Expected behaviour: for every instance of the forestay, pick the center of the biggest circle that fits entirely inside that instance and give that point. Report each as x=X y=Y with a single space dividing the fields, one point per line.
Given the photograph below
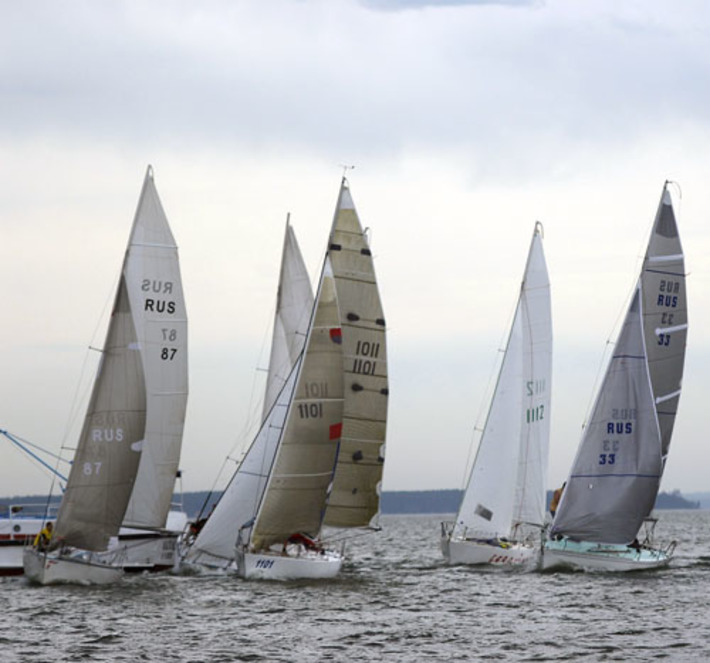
x=616 y=475
x=156 y=295
x=354 y=500
x=507 y=484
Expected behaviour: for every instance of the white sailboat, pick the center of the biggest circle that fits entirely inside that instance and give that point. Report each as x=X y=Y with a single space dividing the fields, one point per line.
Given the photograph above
x=215 y=544
x=136 y=411
x=617 y=472
x=503 y=507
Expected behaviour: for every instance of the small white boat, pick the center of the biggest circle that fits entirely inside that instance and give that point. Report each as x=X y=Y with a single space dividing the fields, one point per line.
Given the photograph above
x=617 y=472
x=502 y=510
x=125 y=464
x=76 y=567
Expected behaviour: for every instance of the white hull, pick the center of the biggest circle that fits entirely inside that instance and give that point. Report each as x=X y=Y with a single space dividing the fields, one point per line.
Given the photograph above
x=149 y=552
x=463 y=551
x=277 y=566
x=54 y=569
x=602 y=557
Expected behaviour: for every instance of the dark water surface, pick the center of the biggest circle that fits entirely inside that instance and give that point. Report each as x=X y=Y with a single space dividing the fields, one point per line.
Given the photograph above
x=395 y=600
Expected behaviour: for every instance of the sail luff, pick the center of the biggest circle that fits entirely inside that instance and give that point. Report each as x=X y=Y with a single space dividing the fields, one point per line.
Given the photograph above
x=355 y=498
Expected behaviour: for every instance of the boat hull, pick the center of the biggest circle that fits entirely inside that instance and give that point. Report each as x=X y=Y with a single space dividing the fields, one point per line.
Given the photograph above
x=149 y=552
x=55 y=569
x=277 y=566
x=475 y=552
x=585 y=555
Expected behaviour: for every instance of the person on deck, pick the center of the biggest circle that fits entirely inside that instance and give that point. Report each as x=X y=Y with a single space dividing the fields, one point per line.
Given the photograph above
x=43 y=538
x=555 y=501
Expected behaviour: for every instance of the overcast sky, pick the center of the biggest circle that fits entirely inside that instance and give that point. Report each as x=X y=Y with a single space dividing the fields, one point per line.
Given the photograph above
x=466 y=123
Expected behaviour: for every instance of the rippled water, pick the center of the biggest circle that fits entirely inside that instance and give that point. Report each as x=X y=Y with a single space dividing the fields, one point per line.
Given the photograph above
x=395 y=600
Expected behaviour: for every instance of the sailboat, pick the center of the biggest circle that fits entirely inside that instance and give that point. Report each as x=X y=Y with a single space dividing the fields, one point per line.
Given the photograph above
x=616 y=475
x=215 y=544
x=273 y=507
x=136 y=411
x=503 y=506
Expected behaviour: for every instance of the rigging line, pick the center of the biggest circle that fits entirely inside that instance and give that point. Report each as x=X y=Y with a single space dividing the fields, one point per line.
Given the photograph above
x=18 y=443
x=488 y=393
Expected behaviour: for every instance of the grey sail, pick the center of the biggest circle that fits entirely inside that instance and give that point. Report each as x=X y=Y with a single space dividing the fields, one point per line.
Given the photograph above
x=106 y=461
x=665 y=312
x=355 y=498
x=616 y=475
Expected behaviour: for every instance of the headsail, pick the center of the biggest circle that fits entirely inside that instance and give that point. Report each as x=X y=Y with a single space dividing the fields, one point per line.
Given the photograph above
x=155 y=291
x=354 y=500
x=508 y=480
x=617 y=472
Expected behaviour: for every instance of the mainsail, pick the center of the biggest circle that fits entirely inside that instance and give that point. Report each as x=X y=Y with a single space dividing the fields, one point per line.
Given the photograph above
x=507 y=483
x=617 y=471
x=130 y=409
x=294 y=305
x=158 y=304
x=302 y=472
x=354 y=500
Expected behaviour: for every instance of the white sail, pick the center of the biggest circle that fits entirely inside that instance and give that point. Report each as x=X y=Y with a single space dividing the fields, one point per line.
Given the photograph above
x=301 y=476
x=355 y=498
x=119 y=421
x=155 y=291
x=236 y=508
x=507 y=483
x=617 y=471
x=294 y=305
